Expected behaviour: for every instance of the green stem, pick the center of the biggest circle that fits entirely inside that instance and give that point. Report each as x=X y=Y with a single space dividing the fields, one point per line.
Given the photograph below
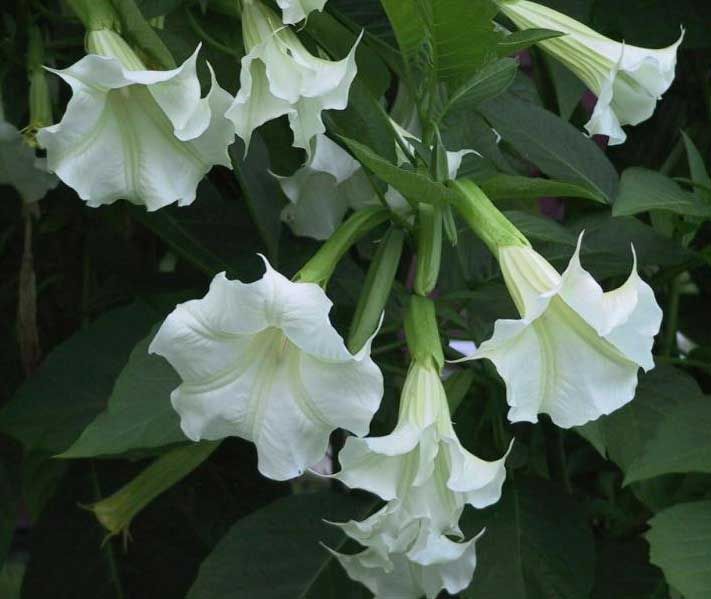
x=321 y=266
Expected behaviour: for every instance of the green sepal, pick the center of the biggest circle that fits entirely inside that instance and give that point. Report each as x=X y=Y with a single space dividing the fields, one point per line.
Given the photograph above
x=429 y=248
x=422 y=332
x=376 y=290
x=485 y=219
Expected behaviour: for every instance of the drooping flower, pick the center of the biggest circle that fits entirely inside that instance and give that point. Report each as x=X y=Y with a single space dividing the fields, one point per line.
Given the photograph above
x=627 y=80
x=136 y=134
x=421 y=463
x=262 y=361
x=280 y=76
x=293 y=11
x=429 y=563
x=20 y=167
x=576 y=350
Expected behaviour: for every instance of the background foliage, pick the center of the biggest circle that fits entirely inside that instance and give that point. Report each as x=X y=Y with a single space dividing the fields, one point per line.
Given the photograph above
x=618 y=509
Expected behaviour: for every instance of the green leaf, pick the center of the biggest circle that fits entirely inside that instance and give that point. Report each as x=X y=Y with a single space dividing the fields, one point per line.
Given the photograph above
x=660 y=393
x=623 y=570
x=556 y=147
x=414 y=185
x=642 y=190
x=275 y=553
x=680 y=544
x=139 y=414
x=520 y=40
x=540 y=228
x=409 y=27
x=537 y=545
x=261 y=191
x=74 y=382
x=680 y=443
x=487 y=83
x=697 y=169
x=515 y=187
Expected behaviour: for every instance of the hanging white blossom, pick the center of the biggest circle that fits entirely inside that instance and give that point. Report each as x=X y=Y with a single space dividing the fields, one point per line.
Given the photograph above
x=135 y=134
x=293 y=11
x=627 y=80
x=422 y=463
x=576 y=351
x=262 y=361
x=279 y=76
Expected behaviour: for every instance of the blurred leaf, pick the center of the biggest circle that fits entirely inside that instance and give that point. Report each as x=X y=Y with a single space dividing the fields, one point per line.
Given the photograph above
x=515 y=187
x=556 y=147
x=541 y=228
x=642 y=190
x=214 y=234
x=275 y=553
x=74 y=382
x=537 y=545
x=681 y=443
x=680 y=544
x=139 y=414
x=697 y=169
x=623 y=570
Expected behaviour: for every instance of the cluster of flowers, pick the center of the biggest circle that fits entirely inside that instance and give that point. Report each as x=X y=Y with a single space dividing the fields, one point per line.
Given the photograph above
x=262 y=361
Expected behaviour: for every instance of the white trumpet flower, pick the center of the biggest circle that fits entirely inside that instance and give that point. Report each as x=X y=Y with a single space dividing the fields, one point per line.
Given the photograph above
x=627 y=80
x=576 y=351
x=280 y=77
x=293 y=11
x=421 y=463
x=20 y=167
x=135 y=134
x=261 y=361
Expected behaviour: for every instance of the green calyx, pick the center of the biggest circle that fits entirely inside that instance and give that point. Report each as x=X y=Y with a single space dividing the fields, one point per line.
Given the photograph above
x=376 y=290
x=116 y=512
x=106 y=42
x=422 y=331
x=485 y=219
x=96 y=14
x=429 y=248
x=321 y=266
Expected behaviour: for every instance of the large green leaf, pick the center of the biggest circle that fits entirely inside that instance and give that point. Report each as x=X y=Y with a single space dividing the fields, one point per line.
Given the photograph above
x=409 y=27
x=624 y=434
x=642 y=190
x=697 y=169
x=275 y=553
x=680 y=544
x=623 y=570
x=139 y=414
x=515 y=187
x=74 y=382
x=540 y=228
x=537 y=545
x=556 y=147
x=681 y=443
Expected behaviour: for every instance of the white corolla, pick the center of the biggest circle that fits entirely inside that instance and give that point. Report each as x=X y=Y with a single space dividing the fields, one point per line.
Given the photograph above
x=293 y=11
x=135 y=134
x=576 y=351
x=628 y=80
x=279 y=76
x=262 y=361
